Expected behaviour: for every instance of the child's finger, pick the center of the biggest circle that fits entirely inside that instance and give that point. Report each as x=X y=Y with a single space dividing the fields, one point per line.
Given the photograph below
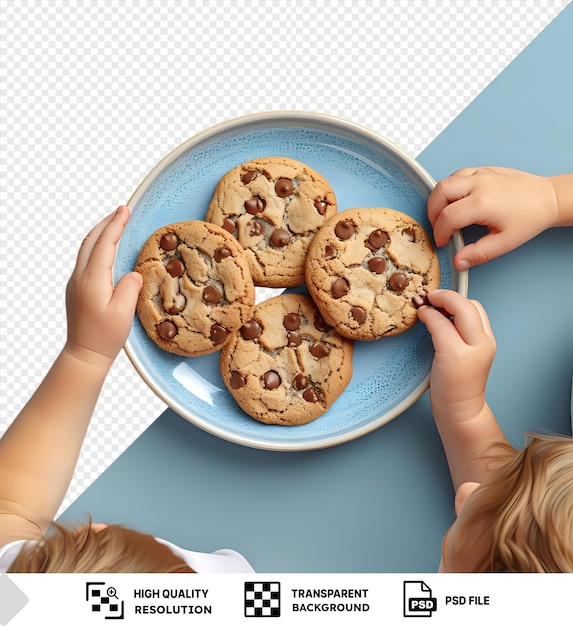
x=89 y=241
x=104 y=248
x=448 y=190
x=442 y=330
x=457 y=215
x=467 y=319
x=466 y=171
x=484 y=318
x=126 y=292
x=486 y=248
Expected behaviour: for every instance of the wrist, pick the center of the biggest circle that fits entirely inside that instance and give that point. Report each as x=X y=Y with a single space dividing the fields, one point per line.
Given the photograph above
x=458 y=411
x=562 y=186
x=99 y=362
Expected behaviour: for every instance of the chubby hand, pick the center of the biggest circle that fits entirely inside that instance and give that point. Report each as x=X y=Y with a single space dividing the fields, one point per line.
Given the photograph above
x=99 y=315
x=515 y=206
x=464 y=350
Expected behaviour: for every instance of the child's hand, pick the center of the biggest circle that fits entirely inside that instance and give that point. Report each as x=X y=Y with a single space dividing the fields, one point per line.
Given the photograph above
x=99 y=316
x=464 y=352
x=515 y=206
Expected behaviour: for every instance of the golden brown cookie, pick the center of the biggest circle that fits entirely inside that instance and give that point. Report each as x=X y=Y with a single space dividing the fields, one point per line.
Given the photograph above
x=285 y=365
x=273 y=206
x=197 y=287
x=368 y=268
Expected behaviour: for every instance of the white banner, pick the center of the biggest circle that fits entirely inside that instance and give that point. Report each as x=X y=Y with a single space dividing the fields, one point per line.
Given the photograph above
x=32 y=599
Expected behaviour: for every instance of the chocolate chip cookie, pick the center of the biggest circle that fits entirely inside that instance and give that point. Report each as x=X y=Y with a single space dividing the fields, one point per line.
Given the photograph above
x=285 y=365
x=368 y=269
x=197 y=287
x=273 y=206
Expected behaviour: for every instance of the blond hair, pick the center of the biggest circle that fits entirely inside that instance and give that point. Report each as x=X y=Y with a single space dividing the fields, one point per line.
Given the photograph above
x=521 y=518
x=114 y=549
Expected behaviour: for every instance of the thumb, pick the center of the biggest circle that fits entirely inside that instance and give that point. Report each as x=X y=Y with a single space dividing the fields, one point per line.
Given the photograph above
x=485 y=249
x=127 y=291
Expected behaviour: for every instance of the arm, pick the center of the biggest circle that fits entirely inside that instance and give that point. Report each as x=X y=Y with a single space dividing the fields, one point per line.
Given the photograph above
x=39 y=451
x=464 y=352
x=515 y=206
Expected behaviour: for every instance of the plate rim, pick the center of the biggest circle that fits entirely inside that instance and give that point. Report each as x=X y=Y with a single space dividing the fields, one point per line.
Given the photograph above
x=311 y=119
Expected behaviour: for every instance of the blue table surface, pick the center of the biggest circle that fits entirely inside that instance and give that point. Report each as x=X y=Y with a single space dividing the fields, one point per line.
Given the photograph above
x=383 y=502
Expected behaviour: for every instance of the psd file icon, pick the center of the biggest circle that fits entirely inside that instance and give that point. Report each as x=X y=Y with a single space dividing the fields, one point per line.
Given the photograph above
x=418 y=599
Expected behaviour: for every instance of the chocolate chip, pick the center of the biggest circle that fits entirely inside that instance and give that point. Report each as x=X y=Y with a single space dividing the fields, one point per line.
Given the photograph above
x=310 y=395
x=251 y=329
x=321 y=206
x=229 y=225
x=319 y=350
x=293 y=339
x=283 y=187
x=330 y=252
x=344 y=229
x=300 y=381
x=221 y=253
x=247 y=177
x=237 y=380
x=358 y=313
x=166 y=330
x=376 y=239
x=254 y=205
x=340 y=287
x=420 y=299
x=211 y=295
x=176 y=309
x=218 y=334
x=256 y=229
x=398 y=281
x=320 y=324
x=409 y=234
x=280 y=237
x=271 y=379
x=291 y=321
x=168 y=242
x=175 y=267
x=377 y=265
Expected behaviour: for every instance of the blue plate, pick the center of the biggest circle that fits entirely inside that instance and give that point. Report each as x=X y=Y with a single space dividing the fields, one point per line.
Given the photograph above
x=364 y=169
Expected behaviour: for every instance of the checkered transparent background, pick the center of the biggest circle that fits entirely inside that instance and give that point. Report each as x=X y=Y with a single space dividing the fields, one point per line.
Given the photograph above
x=94 y=94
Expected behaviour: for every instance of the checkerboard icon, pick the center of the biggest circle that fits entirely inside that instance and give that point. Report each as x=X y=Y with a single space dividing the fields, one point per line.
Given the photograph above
x=104 y=601
x=262 y=599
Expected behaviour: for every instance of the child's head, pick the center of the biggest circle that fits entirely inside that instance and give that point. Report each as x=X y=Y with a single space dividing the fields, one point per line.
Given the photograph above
x=521 y=518
x=97 y=548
